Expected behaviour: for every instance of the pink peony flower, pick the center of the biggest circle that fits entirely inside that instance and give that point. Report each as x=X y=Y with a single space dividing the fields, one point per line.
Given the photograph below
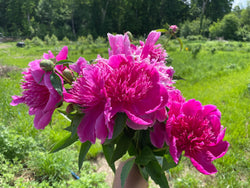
x=147 y=52
x=39 y=94
x=159 y=135
x=196 y=129
x=117 y=85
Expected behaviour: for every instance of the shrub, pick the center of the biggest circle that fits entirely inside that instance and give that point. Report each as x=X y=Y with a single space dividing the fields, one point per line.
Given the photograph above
x=54 y=40
x=36 y=41
x=226 y=28
x=193 y=28
x=66 y=40
x=47 y=39
x=195 y=37
x=196 y=50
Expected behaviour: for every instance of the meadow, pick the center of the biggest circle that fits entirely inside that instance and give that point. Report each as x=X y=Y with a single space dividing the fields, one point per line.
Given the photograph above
x=213 y=72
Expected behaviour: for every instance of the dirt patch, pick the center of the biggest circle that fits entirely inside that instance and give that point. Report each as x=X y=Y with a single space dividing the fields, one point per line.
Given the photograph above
x=102 y=166
x=5 y=70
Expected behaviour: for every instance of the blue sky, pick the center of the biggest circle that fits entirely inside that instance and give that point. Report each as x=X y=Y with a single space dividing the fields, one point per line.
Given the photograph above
x=241 y=3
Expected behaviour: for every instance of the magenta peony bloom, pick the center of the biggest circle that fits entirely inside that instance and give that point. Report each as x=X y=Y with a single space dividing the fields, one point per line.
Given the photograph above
x=158 y=135
x=148 y=52
x=196 y=129
x=39 y=94
x=112 y=86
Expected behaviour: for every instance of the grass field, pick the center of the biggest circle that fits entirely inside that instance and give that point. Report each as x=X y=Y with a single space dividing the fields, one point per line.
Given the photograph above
x=219 y=74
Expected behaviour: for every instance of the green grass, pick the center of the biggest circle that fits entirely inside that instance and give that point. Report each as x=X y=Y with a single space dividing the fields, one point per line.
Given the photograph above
x=220 y=77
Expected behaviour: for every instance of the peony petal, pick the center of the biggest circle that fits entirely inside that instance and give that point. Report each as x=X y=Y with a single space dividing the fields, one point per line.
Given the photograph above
x=86 y=129
x=79 y=65
x=119 y=44
x=150 y=42
x=211 y=110
x=101 y=128
x=202 y=162
x=48 y=84
x=116 y=60
x=63 y=54
x=218 y=150
x=37 y=72
x=49 y=55
x=16 y=100
x=157 y=136
x=42 y=119
x=161 y=115
x=191 y=107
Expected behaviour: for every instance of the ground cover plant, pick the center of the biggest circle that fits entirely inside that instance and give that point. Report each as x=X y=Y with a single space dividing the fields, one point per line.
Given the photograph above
x=220 y=78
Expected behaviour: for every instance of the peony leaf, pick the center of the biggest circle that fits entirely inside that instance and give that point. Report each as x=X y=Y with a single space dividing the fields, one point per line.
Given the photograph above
x=181 y=43
x=145 y=156
x=125 y=171
x=161 y=30
x=157 y=174
x=122 y=146
x=168 y=162
x=63 y=62
x=65 y=142
x=120 y=123
x=83 y=151
x=108 y=150
x=56 y=83
x=75 y=123
x=143 y=172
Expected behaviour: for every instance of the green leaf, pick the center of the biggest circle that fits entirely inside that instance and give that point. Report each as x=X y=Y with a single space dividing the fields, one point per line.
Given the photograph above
x=56 y=83
x=145 y=156
x=168 y=162
x=181 y=43
x=75 y=123
x=157 y=174
x=132 y=149
x=161 y=30
x=65 y=142
x=83 y=151
x=108 y=150
x=143 y=172
x=120 y=123
x=125 y=171
x=63 y=62
x=122 y=146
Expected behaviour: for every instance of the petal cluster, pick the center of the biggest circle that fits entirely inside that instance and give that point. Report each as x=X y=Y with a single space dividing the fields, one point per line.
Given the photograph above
x=38 y=93
x=197 y=130
x=116 y=85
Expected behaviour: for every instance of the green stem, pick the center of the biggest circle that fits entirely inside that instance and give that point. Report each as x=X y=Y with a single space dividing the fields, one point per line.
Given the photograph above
x=66 y=79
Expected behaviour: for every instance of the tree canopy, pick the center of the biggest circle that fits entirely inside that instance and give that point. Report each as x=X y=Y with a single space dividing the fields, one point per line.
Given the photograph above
x=73 y=18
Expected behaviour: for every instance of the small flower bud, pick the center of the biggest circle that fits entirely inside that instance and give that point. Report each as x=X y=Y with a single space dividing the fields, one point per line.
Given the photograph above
x=68 y=74
x=47 y=65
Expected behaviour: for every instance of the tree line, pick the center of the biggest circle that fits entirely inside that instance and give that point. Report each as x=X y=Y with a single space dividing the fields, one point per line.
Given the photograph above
x=74 y=18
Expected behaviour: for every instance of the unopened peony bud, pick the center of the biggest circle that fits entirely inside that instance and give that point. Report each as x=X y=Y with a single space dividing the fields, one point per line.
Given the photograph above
x=47 y=65
x=68 y=74
x=173 y=28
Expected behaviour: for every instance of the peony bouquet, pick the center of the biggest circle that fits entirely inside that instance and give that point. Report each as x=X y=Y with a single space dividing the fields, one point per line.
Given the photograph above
x=129 y=103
